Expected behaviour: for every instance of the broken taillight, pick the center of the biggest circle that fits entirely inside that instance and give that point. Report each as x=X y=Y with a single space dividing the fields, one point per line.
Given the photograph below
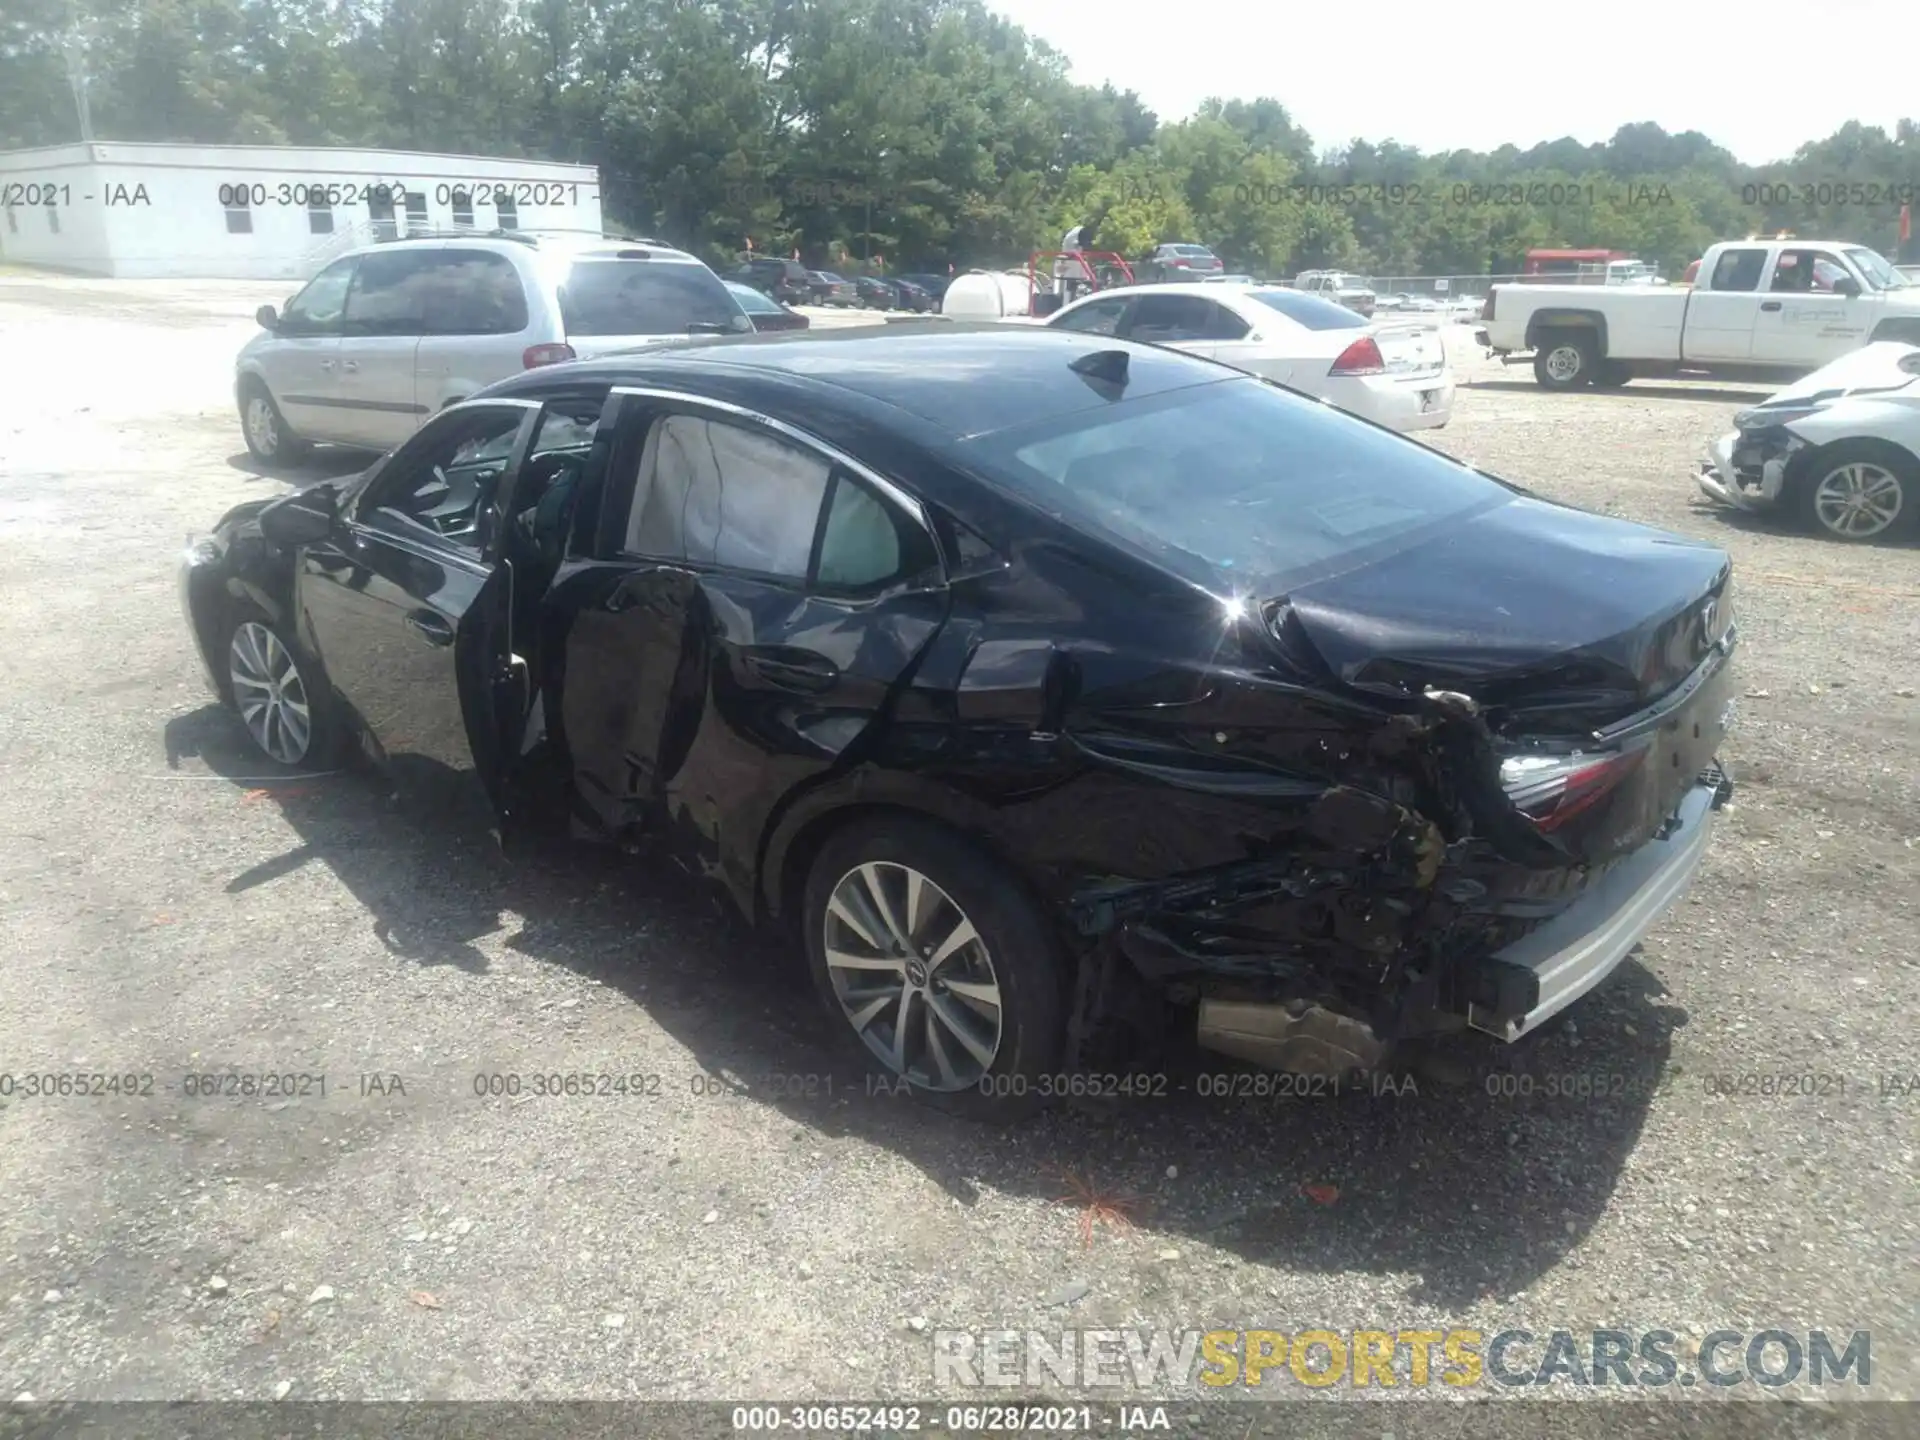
x=534 y=356
x=1551 y=789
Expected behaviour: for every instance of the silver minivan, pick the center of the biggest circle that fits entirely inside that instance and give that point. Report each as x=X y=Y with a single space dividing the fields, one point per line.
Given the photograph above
x=391 y=333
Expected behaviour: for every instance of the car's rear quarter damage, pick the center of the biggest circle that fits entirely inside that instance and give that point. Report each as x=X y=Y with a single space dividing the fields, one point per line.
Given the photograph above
x=1323 y=869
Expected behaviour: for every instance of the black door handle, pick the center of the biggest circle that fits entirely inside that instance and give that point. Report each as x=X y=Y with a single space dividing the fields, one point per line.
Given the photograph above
x=807 y=674
x=432 y=628
x=1770 y=305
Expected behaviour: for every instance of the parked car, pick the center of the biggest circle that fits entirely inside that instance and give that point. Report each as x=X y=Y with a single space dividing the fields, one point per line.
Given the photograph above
x=783 y=280
x=1180 y=261
x=1352 y=291
x=1759 y=309
x=1395 y=374
x=764 y=311
x=934 y=285
x=388 y=334
x=910 y=296
x=826 y=288
x=876 y=293
x=1422 y=751
x=1840 y=450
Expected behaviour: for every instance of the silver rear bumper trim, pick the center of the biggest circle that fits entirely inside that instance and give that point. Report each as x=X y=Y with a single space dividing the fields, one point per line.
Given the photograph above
x=1581 y=946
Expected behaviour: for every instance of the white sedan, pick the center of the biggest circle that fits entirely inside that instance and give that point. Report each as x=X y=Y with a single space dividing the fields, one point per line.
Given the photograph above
x=1840 y=449
x=1392 y=373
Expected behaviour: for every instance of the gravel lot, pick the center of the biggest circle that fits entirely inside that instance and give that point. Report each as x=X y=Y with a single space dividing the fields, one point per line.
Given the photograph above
x=174 y=907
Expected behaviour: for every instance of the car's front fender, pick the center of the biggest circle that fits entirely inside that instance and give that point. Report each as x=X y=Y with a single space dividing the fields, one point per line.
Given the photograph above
x=1862 y=419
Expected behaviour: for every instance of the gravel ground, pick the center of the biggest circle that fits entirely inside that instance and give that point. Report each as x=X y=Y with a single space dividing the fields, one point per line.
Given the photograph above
x=175 y=908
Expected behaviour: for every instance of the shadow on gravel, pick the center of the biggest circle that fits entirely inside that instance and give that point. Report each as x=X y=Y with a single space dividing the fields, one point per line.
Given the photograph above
x=324 y=463
x=1470 y=1175
x=1777 y=522
x=1640 y=390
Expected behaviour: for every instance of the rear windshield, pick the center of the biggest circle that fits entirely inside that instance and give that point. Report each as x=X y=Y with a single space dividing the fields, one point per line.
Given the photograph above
x=1310 y=310
x=646 y=297
x=1198 y=251
x=1240 y=486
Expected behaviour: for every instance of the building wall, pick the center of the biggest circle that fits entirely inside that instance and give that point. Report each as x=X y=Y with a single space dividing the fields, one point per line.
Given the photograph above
x=243 y=212
x=69 y=234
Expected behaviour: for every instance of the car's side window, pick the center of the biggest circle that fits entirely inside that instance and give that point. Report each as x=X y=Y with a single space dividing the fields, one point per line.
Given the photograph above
x=440 y=483
x=1096 y=317
x=716 y=493
x=548 y=486
x=1223 y=324
x=1167 y=319
x=472 y=292
x=866 y=544
x=567 y=425
x=1738 y=270
x=389 y=293
x=1802 y=272
x=317 y=309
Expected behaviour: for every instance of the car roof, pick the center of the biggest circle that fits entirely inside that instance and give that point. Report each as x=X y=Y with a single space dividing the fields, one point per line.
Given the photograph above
x=1206 y=289
x=940 y=382
x=532 y=243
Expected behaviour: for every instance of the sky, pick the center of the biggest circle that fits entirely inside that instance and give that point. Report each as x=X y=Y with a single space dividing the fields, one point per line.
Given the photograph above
x=1477 y=74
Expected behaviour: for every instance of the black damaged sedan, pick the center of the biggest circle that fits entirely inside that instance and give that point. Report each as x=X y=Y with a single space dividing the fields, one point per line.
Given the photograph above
x=1054 y=690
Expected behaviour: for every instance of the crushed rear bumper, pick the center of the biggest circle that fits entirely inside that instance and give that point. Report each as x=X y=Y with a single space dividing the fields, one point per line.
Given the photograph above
x=1546 y=970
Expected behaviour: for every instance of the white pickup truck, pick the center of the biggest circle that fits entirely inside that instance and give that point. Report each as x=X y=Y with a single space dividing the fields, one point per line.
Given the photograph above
x=1760 y=309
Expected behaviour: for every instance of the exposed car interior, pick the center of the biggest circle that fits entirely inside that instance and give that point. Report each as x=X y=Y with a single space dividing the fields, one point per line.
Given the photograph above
x=452 y=494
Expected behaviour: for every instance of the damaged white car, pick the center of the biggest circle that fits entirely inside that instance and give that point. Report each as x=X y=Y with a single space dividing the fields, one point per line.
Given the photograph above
x=1840 y=449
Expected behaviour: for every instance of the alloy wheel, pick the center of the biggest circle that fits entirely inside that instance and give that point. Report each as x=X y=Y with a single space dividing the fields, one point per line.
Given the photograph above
x=263 y=431
x=270 y=693
x=1859 y=500
x=913 y=976
x=1563 y=362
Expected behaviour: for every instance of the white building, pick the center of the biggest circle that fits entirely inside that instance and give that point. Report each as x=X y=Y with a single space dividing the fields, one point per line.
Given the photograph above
x=265 y=212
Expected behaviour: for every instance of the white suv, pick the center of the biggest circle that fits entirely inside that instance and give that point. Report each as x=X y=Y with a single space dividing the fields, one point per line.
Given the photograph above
x=389 y=334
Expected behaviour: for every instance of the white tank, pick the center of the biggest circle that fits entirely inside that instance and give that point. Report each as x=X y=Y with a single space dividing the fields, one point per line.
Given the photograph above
x=986 y=295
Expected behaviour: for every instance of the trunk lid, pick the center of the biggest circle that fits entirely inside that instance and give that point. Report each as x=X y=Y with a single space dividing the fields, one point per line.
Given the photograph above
x=1573 y=634
x=1411 y=351
x=1531 y=608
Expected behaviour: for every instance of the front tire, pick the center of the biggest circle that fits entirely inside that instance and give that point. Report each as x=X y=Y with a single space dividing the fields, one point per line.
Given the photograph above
x=936 y=967
x=1858 y=490
x=280 y=693
x=1565 y=361
x=268 y=438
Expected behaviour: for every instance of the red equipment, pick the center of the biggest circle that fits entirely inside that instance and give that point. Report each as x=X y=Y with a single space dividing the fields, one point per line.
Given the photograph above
x=1098 y=270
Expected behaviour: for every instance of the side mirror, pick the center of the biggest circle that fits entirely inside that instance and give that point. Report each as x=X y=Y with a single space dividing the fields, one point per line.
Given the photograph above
x=1848 y=286
x=306 y=518
x=267 y=317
